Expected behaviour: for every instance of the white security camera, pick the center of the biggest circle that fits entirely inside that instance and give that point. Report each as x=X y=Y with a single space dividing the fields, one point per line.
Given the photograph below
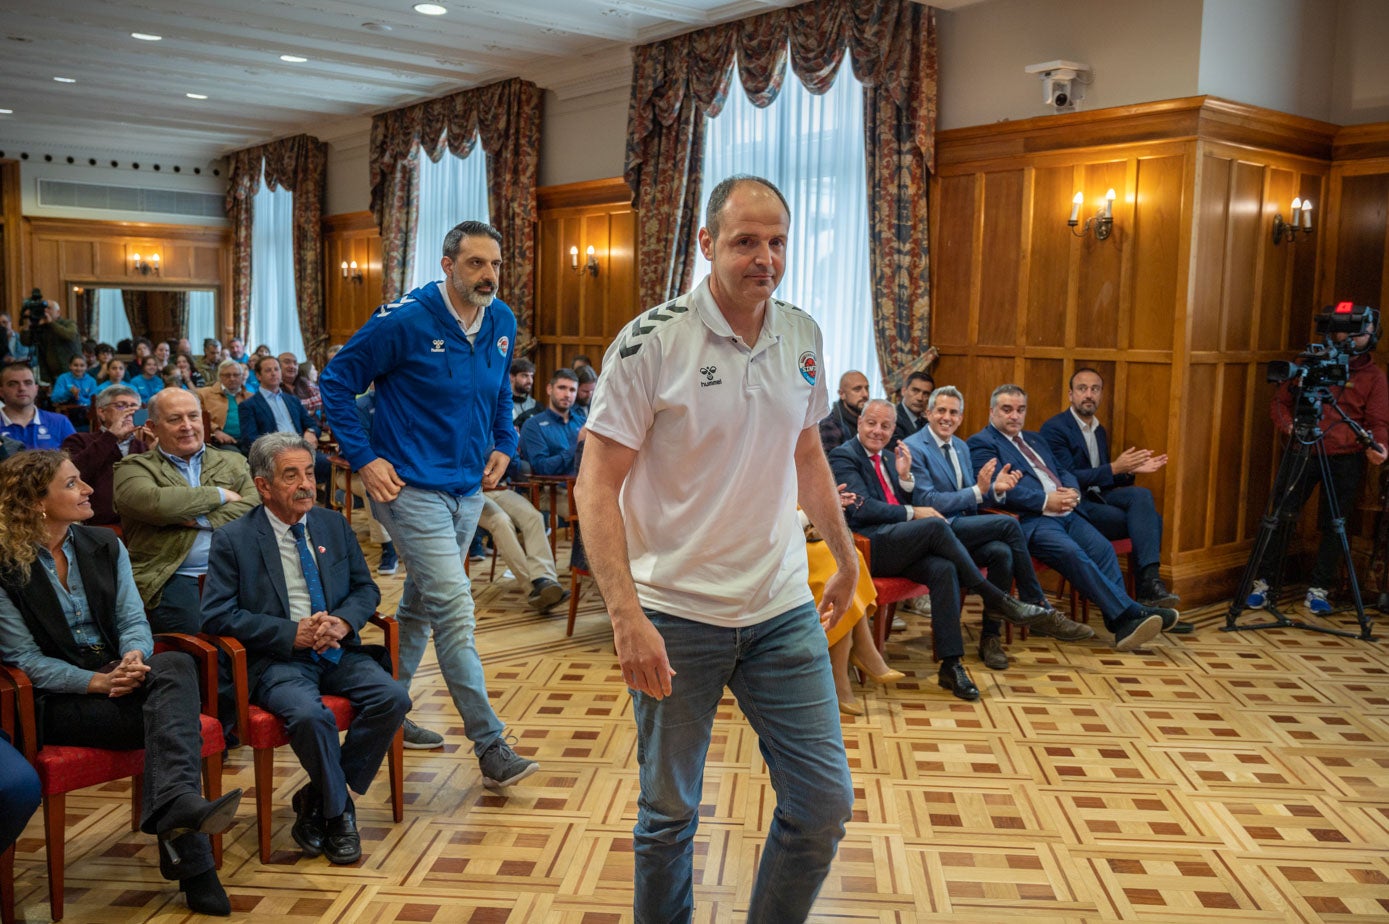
x=1063 y=83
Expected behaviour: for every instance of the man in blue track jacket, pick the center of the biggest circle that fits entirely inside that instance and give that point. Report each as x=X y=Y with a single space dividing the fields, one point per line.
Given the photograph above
x=440 y=359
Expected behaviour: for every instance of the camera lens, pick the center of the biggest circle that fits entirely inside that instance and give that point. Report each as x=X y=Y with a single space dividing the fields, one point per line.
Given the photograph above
x=1061 y=99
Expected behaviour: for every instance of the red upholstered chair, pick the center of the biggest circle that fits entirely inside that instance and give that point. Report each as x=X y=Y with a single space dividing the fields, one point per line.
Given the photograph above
x=891 y=591
x=65 y=768
x=1081 y=605
x=264 y=731
x=9 y=721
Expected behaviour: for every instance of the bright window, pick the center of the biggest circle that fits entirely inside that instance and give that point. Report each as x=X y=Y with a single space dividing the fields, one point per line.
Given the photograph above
x=453 y=190
x=274 y=317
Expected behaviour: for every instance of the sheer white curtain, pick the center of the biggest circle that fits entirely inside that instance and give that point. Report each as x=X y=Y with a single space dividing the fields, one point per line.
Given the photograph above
x=111 y=324
x=274 y=313
x=202 y=319
x=811 y=147
x=453 y=190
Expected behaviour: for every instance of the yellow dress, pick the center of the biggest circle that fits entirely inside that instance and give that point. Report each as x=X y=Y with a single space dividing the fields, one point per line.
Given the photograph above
x=864 y=602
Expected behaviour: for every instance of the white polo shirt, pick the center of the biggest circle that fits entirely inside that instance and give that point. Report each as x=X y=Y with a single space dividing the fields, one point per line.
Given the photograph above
x=710 y=502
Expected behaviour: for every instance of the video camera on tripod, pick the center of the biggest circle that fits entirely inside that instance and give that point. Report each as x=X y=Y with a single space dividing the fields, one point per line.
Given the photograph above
x=35 y=309
x=1328 y=363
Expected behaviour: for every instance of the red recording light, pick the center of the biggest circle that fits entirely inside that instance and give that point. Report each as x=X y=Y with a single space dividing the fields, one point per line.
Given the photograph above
x=1345 y=307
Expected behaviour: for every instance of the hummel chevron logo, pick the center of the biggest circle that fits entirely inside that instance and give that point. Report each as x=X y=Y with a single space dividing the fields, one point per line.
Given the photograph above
x=634 y=333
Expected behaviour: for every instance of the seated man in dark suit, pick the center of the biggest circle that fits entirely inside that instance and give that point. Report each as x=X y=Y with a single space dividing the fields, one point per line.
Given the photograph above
x=96 y=453
x=1109 y=499
x=945 y=481
x=911 y=410
x=1045 y=499
x=916 y=542
x=273 y=410
x=298 y=615
x=841 y=423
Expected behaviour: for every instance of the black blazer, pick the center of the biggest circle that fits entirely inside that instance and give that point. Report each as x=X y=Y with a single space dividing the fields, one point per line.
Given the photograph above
x=853 y=467
x=257 y=418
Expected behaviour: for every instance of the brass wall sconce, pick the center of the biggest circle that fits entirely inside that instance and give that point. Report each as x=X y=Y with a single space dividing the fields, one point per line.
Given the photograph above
x=350 y=271
x=1301 y=220
x=590 y=266
x=1103 y=222
x=143 y=268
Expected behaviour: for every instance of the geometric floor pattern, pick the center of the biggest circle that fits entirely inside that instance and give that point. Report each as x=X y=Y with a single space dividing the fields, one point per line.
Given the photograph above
x=1213 y=777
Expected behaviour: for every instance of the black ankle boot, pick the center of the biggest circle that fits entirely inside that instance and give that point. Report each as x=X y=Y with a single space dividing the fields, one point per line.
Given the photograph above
x=205 y=894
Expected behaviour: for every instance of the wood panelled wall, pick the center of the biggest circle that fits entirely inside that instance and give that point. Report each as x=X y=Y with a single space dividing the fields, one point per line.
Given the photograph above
x=1180 y=309
x=11 y=239
x=576 y=312
x=61 y=253
x=348 y=303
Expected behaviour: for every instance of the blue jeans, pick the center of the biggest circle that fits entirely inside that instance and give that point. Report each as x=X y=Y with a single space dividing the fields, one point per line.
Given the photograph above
x=432 y=531
x=779 y=670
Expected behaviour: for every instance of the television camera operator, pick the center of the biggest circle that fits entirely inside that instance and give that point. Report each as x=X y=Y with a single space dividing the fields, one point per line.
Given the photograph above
x=53 y=338
x=1348 y=382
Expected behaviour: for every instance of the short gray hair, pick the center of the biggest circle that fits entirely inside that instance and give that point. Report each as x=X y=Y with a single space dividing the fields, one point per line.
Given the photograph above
x=878 y=402
x=110 y=393
x=1005 y=390
x=946 y=391
x=266 y=449
x=226 y=364
x=454 y=239
x=159 y=397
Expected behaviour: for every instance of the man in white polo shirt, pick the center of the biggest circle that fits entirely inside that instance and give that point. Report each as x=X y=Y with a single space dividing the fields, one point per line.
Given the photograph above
x=703 y=438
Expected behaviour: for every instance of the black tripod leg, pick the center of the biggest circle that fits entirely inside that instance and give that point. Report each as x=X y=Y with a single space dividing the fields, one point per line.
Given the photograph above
x=1338 y=526
x=1284 y=504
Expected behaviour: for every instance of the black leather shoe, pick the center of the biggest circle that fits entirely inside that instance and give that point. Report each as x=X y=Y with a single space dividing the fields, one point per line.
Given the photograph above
x=1137 y=631
x=1155 y=593
x=992 y=654
x=341 y=843
x=205 y=895
x=1170 y=617
x=191 y=813
x=308 y=822
x=955 y=678
x=1012 y=610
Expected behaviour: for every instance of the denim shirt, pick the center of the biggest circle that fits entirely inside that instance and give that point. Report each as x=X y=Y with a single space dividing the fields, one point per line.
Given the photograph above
x=18 y=647
x=195 y=563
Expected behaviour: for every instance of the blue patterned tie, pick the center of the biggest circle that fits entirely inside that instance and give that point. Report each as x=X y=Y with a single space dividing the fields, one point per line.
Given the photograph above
x=317 y=602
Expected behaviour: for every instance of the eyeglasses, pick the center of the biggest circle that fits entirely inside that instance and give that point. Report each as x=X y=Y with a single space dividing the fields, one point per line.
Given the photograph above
x=124 y=406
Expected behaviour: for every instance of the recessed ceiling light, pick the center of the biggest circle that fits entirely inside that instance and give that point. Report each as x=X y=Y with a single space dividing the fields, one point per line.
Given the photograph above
x=146 y=37
x=196 y=95
x=430 y=9
x=65 y=79
x=293 y=59
x=6 y=112
x=377 y=27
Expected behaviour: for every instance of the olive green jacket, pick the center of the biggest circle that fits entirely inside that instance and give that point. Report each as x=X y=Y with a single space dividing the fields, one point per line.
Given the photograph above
x=156 y=504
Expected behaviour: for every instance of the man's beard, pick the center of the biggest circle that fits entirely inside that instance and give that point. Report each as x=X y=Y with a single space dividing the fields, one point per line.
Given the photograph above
x=472 y=296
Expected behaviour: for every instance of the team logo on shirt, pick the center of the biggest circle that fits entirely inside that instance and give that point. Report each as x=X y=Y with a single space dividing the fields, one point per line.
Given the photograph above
x=502 y=344
x=709 y=372
x=810 y=369
x=438 y=347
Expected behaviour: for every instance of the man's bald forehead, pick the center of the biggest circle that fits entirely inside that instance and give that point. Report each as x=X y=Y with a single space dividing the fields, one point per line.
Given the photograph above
x=847 y=378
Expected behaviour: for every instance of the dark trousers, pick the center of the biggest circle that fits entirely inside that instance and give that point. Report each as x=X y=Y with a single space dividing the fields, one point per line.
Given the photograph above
x=293 y=691
x=160 y=716
x=1128 y=513
x=928 y=552
x=20 y=793
x=997 y=546
x=1346 y=471
x=1075 y=549
x=180 y=607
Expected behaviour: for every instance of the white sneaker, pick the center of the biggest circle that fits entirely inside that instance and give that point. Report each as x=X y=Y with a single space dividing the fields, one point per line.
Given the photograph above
x=1258 y=595
x=1317 y=602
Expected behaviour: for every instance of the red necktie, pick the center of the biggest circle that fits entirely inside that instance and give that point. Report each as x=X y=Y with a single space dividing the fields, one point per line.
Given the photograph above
x=890 y=494
x=1036 y=461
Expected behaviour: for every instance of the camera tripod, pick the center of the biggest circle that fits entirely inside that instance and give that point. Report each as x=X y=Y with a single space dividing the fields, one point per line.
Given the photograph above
x=1284 y=505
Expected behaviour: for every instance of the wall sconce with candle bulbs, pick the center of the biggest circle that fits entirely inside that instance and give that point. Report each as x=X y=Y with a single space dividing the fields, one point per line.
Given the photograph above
x=350 y=271
x=1301 y=220
x=143 y=268
x=1103 y=222
x=590 y=266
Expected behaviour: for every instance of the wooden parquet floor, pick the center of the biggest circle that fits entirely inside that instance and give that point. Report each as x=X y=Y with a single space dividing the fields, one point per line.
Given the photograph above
x=1217 y=777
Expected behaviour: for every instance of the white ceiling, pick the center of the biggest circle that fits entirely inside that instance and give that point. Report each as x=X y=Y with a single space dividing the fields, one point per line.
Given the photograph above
x=363 y=57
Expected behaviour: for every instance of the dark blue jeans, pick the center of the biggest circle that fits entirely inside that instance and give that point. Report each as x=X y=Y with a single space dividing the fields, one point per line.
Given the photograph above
x=779 y=671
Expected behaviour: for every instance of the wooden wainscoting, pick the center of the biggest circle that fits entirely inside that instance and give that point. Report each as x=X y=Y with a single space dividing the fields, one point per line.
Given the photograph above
x=346 y=238
x=576 y=312
x=1180 y=309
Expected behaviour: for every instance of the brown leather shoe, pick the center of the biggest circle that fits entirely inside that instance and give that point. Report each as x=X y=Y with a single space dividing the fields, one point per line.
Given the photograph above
x=1059 y=627
x=992 y=654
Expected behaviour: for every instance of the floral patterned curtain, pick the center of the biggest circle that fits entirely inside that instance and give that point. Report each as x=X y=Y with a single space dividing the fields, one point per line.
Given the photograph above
x=679 y=82
x=505 y=118
x=298 y=164
x=137 y=311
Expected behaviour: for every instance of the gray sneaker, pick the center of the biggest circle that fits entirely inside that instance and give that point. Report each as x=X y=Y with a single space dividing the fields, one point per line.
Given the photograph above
x=501 y=766
x=421 y=739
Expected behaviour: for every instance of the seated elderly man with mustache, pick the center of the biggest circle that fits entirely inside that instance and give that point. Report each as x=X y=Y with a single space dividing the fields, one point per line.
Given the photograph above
x=289 y=582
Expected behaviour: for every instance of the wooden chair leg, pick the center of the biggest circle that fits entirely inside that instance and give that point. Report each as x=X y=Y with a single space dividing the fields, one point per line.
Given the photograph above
x=54 y=832
x=7 y=886
x=264 y=761
x=212 y=791
x=882 y=625
x=137 y=800
x=396 y=760
x=573 y=601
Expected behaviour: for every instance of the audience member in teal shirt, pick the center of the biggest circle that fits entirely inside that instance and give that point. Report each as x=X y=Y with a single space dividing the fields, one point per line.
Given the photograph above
x=149 y=381
x=75 y=386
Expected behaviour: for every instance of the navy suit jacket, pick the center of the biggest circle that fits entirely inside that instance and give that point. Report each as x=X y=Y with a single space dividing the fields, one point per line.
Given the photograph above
x=1067 y=443
x=935 y=478
x=1028 y=497
x=244 y=595
x=853 y=467
x=257 y=418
